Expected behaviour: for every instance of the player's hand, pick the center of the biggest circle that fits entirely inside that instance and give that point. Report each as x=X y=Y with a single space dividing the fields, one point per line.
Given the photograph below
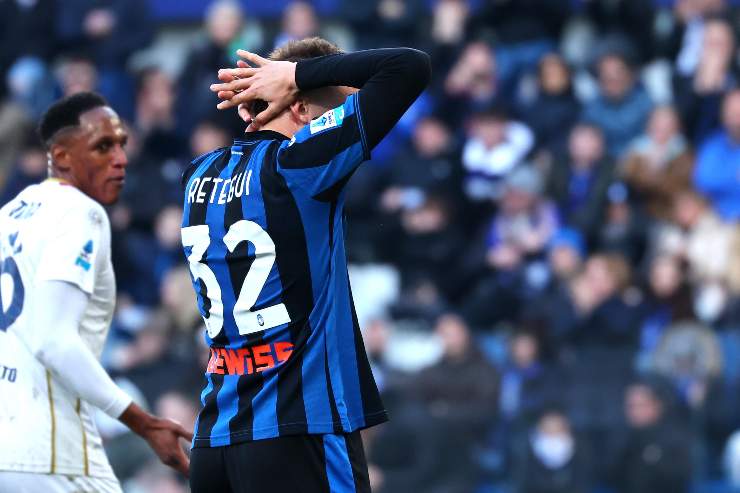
x=266 y=80
x=163 y=436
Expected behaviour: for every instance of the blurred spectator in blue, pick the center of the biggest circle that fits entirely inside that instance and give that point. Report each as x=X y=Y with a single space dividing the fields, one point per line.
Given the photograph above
x=26 y=49
x=552 y=459
x=15 y=124
x=155 y=181
x=690 y=357
x=687 y=30
x=25 y=31
x=109 y=32
x=428 y=242
x=554 y=109
x=624 y=228
x=515 y=241
x=524 y=224
x=227 y=28
x=155 y=116
x=622 y=106
x=668 y=300
x=299 y=21
x=579 y=179
x=430 y=164
x=460 y=396
x=472 y=84
x=659 y=163
x=30 y=168
x=602 y=313
x=525 y=380
x=631 y=21
x=77 y=74
x=655 y=453
x=699 y=95
x=163 y=252
x=383 y=23
x=495 y=146
x=445 y=36
x=523 y=31
x=717 y=173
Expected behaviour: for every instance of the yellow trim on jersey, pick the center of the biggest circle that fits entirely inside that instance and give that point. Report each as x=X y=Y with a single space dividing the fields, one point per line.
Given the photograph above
x=53 y=425
x=58 y=180
x=84 y=440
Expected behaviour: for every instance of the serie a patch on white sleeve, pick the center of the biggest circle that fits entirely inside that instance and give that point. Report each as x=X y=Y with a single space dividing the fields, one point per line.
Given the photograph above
x=330 y=119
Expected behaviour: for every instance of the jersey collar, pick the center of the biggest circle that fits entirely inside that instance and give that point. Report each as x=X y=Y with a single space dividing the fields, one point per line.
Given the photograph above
x=260 y=135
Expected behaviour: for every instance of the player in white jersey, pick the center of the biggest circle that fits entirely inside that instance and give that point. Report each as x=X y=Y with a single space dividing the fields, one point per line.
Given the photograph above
x=57 y=294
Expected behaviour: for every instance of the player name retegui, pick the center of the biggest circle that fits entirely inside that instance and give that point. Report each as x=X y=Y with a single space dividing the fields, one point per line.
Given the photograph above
x=221 y=191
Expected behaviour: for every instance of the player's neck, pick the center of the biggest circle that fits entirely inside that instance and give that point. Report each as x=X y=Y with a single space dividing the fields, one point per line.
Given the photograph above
x=283 y=125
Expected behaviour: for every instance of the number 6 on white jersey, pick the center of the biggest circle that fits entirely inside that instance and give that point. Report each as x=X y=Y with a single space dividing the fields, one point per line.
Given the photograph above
x=247 y=321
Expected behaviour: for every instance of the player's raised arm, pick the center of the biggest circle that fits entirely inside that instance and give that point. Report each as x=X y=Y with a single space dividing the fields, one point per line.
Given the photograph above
x=389 y=80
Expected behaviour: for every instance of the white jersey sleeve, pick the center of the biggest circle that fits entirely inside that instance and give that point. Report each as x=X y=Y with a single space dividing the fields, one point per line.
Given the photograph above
x=71 y=253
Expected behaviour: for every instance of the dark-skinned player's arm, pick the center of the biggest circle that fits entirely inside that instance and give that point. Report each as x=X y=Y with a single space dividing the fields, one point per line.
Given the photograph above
x=58 y=345
x=389 y=80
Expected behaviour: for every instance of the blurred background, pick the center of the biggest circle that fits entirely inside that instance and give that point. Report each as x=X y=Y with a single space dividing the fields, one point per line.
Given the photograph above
x=545 y=252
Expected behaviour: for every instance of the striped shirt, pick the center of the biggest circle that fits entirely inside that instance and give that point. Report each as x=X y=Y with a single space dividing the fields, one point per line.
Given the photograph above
x=263 y=234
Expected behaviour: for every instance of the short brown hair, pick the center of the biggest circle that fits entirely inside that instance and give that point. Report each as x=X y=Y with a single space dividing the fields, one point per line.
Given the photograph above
x=303 y=49
x=294 y=51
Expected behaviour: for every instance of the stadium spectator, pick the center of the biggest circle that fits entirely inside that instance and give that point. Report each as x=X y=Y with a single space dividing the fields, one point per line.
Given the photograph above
x=108 y=32
x=698 y=237
x=383 y=22
x=659 y=163
x=552 y=459
x=554 y=109
x=625 y=227
x=495 y=145
x=622 y=106
x=462 y=375
x=471 y=84
x=655 y=454
x=227 y=28
x=578 y=180
x=446 y=35
x=668 y=300
x=524 y=224
x=699 y=95
x=717 y=172
x=299 y=21
x=524 y=30
x=77 y=74
x=30 y=168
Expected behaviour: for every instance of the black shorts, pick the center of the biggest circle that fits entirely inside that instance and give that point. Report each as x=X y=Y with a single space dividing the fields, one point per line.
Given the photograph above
x=289 y=464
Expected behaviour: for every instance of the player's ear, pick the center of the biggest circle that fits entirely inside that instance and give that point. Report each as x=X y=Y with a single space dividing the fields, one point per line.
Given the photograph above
x=60 y=157
x=301 y=111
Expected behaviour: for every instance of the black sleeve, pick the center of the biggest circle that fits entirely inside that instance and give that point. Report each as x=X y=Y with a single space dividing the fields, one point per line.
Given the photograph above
x=389 y=80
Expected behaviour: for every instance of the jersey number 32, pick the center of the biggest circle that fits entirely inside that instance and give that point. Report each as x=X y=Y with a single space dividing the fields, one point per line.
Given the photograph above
x=247 y=321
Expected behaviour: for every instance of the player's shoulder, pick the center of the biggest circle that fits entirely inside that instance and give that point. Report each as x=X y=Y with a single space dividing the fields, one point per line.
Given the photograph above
x=67 y=206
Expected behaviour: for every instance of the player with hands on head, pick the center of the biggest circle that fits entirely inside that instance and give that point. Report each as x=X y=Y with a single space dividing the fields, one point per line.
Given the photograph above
x=288 y=384
x=58 y=297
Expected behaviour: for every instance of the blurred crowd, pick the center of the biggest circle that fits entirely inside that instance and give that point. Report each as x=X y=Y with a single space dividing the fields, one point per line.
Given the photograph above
x=545 y=252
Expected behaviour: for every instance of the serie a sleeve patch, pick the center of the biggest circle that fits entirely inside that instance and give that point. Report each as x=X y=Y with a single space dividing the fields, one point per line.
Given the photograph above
x=330 y=119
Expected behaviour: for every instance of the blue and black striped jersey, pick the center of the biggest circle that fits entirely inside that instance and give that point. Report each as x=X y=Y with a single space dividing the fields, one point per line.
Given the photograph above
x=263 y=234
